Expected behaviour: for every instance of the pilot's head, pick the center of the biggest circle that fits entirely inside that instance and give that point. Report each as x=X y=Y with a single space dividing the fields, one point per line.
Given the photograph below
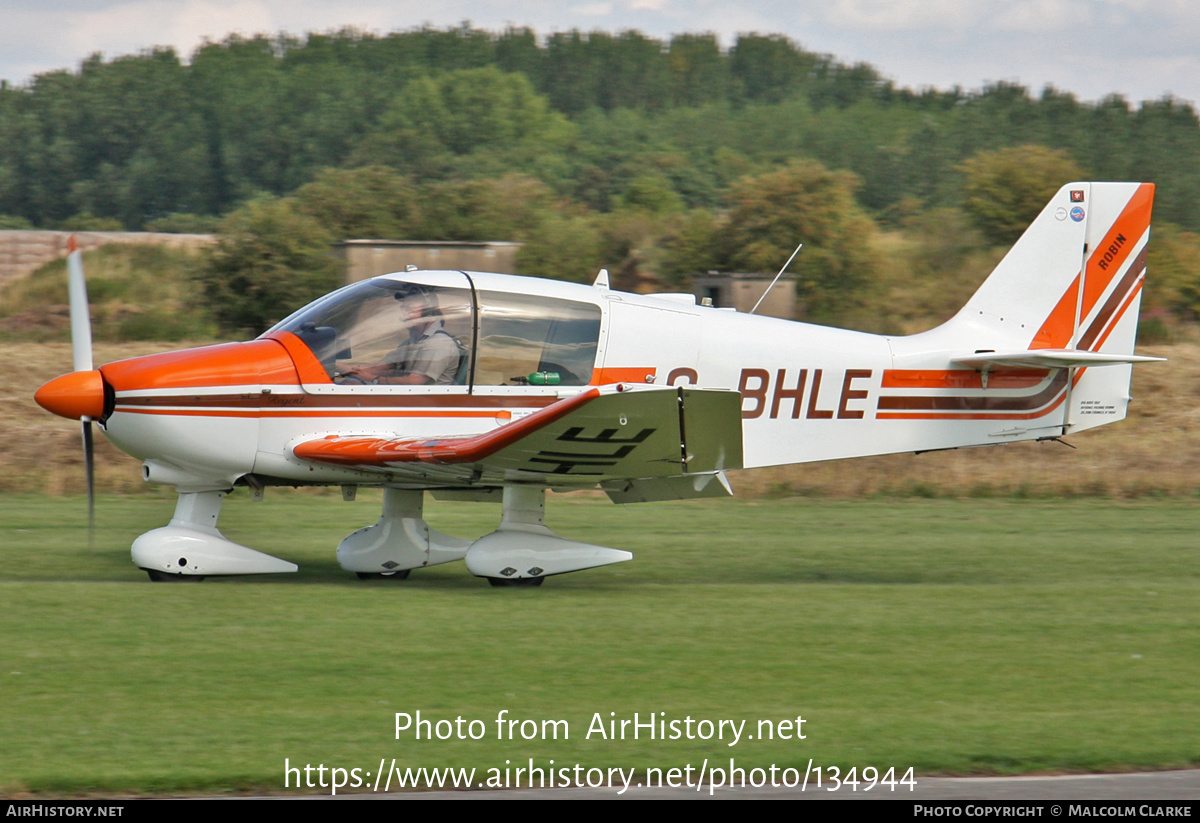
x=418 y=309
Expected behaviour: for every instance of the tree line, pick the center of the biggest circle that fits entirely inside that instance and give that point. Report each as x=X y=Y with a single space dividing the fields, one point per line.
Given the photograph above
x=655 y=157
x=140 y=137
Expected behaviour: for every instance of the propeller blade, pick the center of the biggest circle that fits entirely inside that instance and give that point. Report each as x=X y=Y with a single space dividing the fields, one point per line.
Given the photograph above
x=81 y=321
x=81 y=350
x=89 y=460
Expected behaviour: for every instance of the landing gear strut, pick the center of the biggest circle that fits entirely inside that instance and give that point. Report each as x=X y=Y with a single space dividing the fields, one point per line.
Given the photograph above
x=399 y=542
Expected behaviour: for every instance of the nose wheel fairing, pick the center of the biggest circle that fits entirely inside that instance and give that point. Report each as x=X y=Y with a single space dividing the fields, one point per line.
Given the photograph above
x=191 y=545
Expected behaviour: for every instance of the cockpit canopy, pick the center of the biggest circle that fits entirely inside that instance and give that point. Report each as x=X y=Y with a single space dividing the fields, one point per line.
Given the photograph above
x=503 y=338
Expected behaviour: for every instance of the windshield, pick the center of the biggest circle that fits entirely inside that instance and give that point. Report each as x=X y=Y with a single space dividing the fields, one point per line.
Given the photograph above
x=417 y=331
x=381 y=330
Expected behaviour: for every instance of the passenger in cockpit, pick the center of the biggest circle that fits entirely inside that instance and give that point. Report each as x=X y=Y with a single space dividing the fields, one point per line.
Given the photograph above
x=429 y=356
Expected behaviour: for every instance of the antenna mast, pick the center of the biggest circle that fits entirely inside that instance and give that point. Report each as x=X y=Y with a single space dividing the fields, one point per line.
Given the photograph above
x=776 y=280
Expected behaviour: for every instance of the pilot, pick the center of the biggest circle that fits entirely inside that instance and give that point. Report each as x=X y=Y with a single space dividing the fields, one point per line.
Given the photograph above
x=429 y=356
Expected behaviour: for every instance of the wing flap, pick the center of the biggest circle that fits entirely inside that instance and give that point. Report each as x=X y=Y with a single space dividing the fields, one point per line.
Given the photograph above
x=684 y=487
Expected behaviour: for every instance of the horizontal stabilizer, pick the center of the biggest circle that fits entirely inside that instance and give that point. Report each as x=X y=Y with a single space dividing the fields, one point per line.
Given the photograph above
x=1049 y=359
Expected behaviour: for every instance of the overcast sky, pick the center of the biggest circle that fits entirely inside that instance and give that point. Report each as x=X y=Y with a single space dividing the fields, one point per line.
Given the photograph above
x=1142 y=49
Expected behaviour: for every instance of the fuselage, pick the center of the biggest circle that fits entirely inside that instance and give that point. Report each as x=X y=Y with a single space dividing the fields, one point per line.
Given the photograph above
x=207 y=417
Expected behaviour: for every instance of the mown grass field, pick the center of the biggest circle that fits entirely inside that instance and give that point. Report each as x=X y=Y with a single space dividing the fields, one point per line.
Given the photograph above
x=952 y=636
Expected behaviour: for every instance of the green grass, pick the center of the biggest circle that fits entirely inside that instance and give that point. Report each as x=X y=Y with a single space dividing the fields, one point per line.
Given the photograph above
x=956 y=637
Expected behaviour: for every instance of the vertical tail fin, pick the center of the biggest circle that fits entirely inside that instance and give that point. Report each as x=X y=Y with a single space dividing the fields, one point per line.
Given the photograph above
x=1073 y=276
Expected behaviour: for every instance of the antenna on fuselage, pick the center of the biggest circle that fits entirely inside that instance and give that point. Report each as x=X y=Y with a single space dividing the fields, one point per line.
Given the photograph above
x=776 y=280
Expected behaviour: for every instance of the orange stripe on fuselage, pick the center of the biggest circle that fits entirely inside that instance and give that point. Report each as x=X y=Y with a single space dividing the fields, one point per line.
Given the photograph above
x=961 y=378
x=637 y=374
x=336 y=414
x=972 y=415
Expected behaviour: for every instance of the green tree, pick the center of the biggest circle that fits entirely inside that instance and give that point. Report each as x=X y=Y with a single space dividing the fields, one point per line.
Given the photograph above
x=115 y=139
x=804 y=202
x=698 y=71
x=1173 y=280
x=236 y=88
x=269 y=261
x=139 y=142
x=690 y=246
x=1166 y=149
x=1006 y=189
x=571 y=79
x=768 y=67
x=565 y=247
x=511 y=207
x=438 y=119
x=651 y=193
x=370 y=202
x=517 y=52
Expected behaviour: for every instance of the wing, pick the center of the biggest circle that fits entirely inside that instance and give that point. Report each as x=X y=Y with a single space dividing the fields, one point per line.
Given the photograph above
x=603 y=434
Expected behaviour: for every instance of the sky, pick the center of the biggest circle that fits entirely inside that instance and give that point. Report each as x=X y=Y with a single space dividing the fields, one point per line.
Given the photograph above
x=1140 y=49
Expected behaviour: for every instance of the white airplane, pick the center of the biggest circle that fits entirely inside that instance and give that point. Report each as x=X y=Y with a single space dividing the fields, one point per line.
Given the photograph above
x=528 y=384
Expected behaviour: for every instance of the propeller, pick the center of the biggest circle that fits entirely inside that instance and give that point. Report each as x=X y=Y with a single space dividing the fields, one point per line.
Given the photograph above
x=81 y=352
x=79 y=395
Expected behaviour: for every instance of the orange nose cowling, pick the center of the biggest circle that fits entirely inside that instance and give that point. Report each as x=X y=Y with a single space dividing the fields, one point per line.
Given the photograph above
x=73 y=396
x=282 y=359
x=259 y=362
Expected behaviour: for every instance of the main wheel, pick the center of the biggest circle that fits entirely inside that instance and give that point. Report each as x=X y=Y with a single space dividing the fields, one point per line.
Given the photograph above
x=164 y=577
x=530 y=582
x=400 y=575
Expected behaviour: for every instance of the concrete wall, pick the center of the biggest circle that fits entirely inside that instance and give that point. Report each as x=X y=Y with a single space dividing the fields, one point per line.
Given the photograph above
x=24 y=252
x=741 y=291
x=371 y=258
